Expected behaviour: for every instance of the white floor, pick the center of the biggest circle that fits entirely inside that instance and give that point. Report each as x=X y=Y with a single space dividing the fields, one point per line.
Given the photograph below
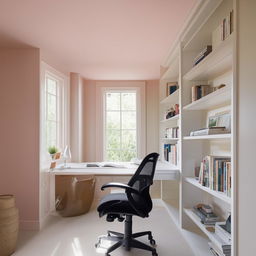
x=77 y=236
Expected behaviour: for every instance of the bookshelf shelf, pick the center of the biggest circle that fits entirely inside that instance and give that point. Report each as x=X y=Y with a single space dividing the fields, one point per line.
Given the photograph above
x=209 y=137
x=172 y=73
x=197 y=221
x=174 y=118
x=217 y=98
x=216 y=194
x=216 y=63
x=172 y=98
x=170 y=139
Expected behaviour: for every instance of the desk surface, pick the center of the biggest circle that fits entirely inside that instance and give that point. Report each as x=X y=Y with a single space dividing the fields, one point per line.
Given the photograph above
x=163 y=170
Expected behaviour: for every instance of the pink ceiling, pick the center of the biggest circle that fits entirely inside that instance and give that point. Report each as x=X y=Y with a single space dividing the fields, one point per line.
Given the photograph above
x=101 y=39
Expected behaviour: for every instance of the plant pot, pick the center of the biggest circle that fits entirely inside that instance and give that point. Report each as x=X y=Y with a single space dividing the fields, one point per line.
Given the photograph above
x=9 y=225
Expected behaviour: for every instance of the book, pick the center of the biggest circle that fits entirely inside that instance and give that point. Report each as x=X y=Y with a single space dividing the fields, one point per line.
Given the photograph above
x=202 y=54
x=215 y=173
x=209 y=131
x=171 y=87
x=199 y=91
x=171 y=153
x=215 y=250
x=171 y=133
x=221 y=231
x=207 y=208
x=205 y=218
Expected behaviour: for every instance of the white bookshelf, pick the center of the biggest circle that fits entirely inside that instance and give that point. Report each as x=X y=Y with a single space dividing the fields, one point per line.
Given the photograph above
x=214 y=193
x=210 y=137
x=215 y=69
x=170 y=139
x=174 y=118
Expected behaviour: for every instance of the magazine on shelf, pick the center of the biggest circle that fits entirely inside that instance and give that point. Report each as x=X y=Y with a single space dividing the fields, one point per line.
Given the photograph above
x=209 y=131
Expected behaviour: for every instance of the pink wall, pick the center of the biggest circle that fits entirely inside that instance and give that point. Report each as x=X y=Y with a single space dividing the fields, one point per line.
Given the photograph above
x=76 y=117
x=19 y=131
x=89 y=122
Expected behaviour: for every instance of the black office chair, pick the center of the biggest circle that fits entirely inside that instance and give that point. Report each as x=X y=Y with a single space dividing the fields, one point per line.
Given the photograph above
x=135 y=201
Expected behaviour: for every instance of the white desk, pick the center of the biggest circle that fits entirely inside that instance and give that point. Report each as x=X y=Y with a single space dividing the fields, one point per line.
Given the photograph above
x=164 y=171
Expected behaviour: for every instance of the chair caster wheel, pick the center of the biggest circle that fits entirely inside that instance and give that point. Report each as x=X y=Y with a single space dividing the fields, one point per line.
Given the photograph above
x=154 y=254
x=152 y=242
x=107 y=254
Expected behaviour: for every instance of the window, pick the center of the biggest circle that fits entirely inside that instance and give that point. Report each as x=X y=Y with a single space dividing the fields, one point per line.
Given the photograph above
x=54 y=111
x=120 y=125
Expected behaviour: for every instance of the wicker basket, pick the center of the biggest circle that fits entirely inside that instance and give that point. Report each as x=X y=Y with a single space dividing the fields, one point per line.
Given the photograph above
x=9 y=225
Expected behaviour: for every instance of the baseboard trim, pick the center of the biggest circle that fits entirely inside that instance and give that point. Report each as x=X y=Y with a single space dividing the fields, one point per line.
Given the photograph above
x=158 y=202
x=45 y=220
x=29 y=225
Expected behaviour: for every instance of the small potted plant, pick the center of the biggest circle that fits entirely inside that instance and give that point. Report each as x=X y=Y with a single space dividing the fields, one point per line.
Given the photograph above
x=52 y=150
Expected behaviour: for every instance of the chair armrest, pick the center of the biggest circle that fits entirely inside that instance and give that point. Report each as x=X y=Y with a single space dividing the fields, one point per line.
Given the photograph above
x=120 y=185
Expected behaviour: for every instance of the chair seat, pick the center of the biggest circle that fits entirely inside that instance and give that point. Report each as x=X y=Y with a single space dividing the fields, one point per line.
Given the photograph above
x=115 y=203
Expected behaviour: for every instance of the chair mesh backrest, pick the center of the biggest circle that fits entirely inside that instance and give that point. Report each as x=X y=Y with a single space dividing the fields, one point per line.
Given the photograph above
x=142 y=180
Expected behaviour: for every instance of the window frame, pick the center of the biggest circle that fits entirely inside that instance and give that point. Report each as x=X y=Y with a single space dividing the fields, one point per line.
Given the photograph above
x=139 y=86
x=63 y=108
x=115 y=90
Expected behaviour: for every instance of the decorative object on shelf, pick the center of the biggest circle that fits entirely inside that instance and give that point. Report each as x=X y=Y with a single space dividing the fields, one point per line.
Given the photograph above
x=9 y=224
x=173 y=111
x=202 y=54
x=207 y=217
x=171 y=133
x=221 y=119
x=215 y=173
x=199 y=91
x=55 y=155
x=223 y=30
x=66 y=155
x=209 y=131
x=52 y=150
x=171 y=87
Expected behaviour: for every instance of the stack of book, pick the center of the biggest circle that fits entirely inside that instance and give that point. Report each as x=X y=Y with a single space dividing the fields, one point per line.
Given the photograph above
x=202 y=54
x=219 y=248
x=199 y=91
x=205 y=213
x=171 y=88
x=171 y=153
x=172 y=132
x=209 y=131
x=221 y=244
x=215 y=173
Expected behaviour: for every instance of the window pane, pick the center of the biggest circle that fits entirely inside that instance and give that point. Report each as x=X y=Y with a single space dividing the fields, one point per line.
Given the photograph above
x=129 y=101
x=51 y=86
x=113 y=156
x=127 y=155
x=52 y=107
x=129 y=120
x=113 y=101
x=113 y=139
x=113 y=120
x=129 y=139
x=51 y=133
